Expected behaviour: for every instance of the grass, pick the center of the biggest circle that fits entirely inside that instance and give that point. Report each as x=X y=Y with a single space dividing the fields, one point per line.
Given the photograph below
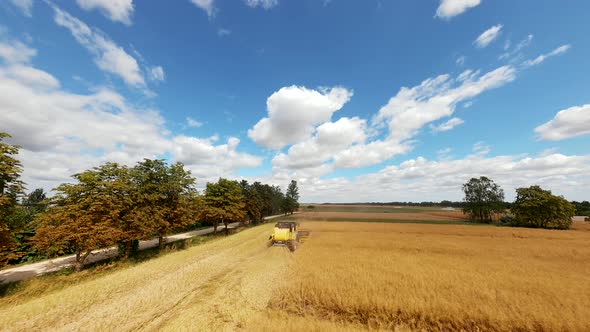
x=435 y=278
x=27 y=289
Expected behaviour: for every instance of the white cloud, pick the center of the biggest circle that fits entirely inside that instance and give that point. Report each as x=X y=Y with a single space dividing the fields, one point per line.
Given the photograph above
x=62 y=133
x=293 y=113
x=206 y=5
x=108 y=56
x=223 y=32
x=157 y=74
x=538 y=60
x=571 y=122
x=403 y=116
x=436 y=98
x=460 y=60
x=206 y=160
x=452 y=123
x=115 y=10
x=330 y=139
x=516 y=52
x=193 y=123
x=16 y=52
x=25 y=6
x=266 y=4
x=451 y=8
x=488 y=36
x=421 y=179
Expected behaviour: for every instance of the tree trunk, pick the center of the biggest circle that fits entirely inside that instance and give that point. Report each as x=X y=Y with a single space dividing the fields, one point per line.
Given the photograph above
x=127 y=249
x=161 y=242
x=215 y=228
x=225 y=223
x=80 y=259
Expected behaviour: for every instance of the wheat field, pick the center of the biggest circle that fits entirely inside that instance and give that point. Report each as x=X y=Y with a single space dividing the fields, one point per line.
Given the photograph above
x=435 y=278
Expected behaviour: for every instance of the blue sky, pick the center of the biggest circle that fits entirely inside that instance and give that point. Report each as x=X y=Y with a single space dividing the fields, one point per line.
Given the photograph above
x=358 y=101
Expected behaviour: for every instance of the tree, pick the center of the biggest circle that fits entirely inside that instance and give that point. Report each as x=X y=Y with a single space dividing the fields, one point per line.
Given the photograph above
x=81 y=216
x=291 y=202
x=10 y=188
x=536 y=207
x=23 y=228
x=253 y=202
x=164 y=196
x=223 y=201
x=483 y=199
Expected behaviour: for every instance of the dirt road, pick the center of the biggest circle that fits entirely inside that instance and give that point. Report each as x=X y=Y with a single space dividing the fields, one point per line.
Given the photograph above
x=219 y=285
x=32 y=270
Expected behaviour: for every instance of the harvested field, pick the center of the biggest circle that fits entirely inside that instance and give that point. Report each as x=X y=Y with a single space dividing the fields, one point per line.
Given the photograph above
x=452 y=216
x=368 y=208
x=215 y=286
x=436 y=278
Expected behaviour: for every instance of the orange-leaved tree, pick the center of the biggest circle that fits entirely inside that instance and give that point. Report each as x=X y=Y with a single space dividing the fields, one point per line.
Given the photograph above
x=82 y=216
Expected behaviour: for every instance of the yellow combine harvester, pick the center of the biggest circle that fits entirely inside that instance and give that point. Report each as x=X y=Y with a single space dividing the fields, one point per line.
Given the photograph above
x=287 y=233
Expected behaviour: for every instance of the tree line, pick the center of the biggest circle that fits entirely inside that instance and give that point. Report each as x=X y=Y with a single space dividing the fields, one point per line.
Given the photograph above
x=114 y=204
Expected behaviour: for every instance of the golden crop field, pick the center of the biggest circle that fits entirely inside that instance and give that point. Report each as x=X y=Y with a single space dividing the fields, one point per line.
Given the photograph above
x=435 y=278
x=347 y=276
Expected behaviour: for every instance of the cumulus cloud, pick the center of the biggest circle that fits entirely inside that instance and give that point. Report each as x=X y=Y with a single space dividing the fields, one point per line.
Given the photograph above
x=450 y=8
x=538 y=60
x=266 y=4
x=421 y=179
x=319 y=146
x=571 y=122
x=293 y=113
x=25 y=6
x=488 y=36
x=62 y=133
x=446 y=126
x=206 y=5
x=115 y=10
x=108 y=56
x=206 y=160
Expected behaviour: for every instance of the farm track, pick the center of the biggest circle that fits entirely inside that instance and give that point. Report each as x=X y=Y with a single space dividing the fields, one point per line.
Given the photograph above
x=217 y=286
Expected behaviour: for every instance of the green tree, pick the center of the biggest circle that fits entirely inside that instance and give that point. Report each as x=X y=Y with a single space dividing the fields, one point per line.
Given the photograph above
x=10 y=188
x=536 y=207
x=291 y=201
x=223 y=202
x=253 y=202
x=164 y=197
x=483 y=199
x=81 y=217
x=23 y=228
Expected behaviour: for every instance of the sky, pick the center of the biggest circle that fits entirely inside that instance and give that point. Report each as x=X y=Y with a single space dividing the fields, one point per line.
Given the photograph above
x=358 y=101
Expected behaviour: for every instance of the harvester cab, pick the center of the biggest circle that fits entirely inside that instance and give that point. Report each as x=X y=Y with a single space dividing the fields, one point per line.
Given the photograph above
x=287 y=233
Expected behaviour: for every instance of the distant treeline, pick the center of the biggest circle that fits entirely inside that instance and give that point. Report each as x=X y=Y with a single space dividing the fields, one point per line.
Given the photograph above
x=582 y=208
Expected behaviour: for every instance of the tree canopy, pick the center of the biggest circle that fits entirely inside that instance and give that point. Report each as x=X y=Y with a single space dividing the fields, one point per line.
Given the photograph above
x=291 y=202
x=223 y=202
x=483 y=199
x=10 y=188
x=536 y=207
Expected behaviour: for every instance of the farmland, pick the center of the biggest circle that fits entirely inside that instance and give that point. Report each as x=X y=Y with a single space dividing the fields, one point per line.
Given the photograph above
x=368 y=274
